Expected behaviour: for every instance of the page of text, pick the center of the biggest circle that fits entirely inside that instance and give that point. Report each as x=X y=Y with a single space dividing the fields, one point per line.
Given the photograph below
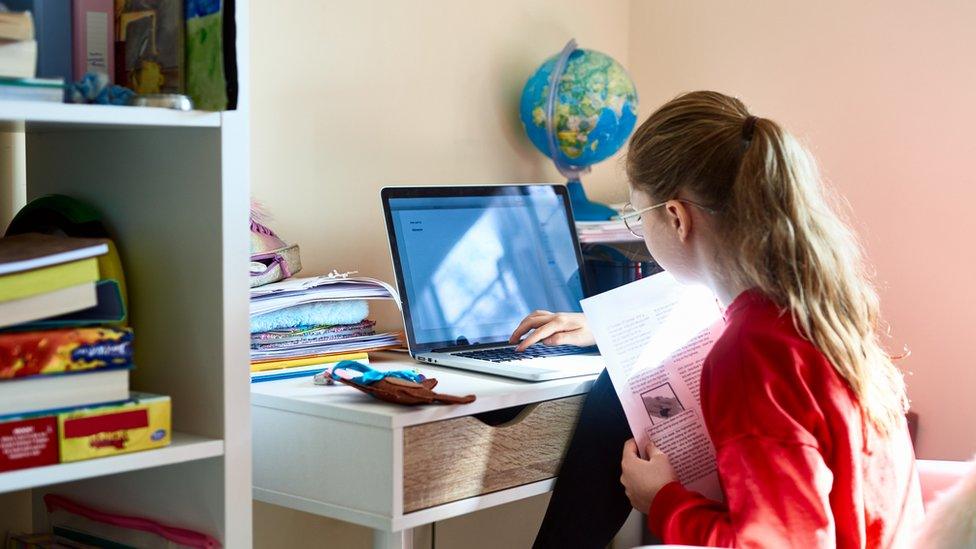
x=654 y=335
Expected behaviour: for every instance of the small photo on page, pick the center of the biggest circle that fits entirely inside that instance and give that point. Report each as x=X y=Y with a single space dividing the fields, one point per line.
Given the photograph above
x=661 y=403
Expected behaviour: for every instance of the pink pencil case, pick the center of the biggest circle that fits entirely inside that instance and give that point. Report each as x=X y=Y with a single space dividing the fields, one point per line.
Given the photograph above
x=70 y=519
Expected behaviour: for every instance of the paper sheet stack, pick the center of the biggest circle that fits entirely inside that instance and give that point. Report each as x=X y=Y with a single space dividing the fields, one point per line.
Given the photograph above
x=611 y=231
x=315 y=321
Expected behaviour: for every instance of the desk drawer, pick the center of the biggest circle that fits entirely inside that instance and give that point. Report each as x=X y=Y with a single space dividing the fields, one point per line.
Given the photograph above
x=460 y=458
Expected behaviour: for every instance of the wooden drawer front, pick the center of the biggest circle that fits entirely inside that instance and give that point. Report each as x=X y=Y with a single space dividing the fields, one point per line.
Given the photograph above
x=460 y=458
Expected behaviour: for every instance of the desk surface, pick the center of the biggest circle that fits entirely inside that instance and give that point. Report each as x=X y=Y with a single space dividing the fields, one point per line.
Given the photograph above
x=347 y=404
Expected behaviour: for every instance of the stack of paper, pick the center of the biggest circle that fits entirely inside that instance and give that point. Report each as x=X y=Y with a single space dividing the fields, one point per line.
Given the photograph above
x=304 y=322
x=604 y=232
x=610 y=231
x=298 y=291
x=321 y=340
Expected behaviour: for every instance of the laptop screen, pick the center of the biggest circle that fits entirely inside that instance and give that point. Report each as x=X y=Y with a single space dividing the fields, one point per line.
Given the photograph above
x=471 y=267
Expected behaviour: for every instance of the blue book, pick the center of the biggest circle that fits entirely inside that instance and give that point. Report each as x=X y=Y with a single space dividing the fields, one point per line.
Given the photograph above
x=52 y=29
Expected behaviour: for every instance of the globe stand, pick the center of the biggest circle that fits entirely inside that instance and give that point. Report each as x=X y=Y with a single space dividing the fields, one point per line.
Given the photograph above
x=583 y=208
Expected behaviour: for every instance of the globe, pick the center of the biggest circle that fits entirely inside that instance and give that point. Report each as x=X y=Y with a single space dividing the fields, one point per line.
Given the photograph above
x=578 y=108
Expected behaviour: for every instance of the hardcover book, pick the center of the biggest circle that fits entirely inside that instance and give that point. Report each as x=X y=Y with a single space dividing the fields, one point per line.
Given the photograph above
x=16 y=312
x=59 y=351
x=93 y=34
x=32 y=394
x=24 y=252
x=52 y=28
x=16 y=25
x=107 y=308
x=18 y=59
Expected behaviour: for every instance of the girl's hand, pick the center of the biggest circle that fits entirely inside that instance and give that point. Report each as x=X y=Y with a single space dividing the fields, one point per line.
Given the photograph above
x=553 y=329
x=643 y=478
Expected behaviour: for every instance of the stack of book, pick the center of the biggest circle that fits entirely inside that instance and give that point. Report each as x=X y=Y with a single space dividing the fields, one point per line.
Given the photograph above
x=65 y=357
x=301 y=326
x=611 y=231
x=603 y=232
x=19 y=60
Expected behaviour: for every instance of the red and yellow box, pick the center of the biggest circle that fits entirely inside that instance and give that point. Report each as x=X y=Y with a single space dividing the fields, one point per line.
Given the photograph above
x=140 y=423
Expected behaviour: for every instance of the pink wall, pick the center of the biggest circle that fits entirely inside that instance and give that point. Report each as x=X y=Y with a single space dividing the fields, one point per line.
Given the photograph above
x=885 y=96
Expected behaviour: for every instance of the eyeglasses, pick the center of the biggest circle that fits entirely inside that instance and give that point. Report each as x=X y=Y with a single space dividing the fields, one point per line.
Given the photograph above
x=632 y=219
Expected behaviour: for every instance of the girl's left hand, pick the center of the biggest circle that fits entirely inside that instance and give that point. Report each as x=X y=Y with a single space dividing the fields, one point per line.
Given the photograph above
x=643 y=478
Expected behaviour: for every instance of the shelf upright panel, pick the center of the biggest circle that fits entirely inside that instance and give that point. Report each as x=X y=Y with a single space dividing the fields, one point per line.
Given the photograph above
x=176 y=197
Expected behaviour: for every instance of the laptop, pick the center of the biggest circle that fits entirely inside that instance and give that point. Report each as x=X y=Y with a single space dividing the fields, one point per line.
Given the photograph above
x=472 y=262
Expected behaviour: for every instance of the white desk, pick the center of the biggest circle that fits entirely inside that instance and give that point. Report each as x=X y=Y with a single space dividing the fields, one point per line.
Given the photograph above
x=337 y=452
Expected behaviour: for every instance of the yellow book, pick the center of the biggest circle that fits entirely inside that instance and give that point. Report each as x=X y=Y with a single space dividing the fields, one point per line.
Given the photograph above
x=48 y=279
x=307 y=361
x=140 y=423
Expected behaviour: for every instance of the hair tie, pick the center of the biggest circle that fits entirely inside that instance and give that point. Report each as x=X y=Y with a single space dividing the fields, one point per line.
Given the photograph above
x=748 y=127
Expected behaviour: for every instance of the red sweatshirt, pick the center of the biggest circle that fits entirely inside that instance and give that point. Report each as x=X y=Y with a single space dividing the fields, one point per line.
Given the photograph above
x=798 y=466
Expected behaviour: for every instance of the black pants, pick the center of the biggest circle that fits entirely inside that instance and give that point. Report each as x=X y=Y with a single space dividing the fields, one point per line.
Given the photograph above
x=588 y=504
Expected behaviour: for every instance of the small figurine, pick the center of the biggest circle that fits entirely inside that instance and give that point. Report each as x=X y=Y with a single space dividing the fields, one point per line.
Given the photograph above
x=94 y=87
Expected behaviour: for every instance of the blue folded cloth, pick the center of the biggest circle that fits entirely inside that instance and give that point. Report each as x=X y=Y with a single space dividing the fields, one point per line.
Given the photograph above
x=322 y=313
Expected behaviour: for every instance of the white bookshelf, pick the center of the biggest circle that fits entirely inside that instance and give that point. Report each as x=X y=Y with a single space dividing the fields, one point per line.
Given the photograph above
x=173 y=188
x=183 y=448
x=35 y=115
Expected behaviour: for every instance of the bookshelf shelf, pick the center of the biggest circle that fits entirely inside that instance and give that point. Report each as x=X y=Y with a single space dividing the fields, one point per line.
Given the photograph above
x=40 y=116
x=183 y=448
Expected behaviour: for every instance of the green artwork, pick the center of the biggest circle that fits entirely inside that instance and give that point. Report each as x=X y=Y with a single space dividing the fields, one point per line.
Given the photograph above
x=205 y=81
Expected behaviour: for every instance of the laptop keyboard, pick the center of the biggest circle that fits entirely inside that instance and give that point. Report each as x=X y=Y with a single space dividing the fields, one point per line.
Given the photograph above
x=509 y=354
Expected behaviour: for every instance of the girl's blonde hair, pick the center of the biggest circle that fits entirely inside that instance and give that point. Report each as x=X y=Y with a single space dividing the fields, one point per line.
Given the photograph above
x=779 y=233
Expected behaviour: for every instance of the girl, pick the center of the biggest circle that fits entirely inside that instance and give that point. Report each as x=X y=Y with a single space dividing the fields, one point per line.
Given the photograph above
x=803 y=405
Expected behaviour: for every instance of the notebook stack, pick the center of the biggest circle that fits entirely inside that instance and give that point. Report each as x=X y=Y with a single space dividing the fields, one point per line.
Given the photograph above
x=65 y=357
x=19 y=60
x=301 y=326
x=611 y=231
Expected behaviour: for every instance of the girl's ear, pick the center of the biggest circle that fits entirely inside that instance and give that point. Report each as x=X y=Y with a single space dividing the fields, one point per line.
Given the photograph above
x=679 y=219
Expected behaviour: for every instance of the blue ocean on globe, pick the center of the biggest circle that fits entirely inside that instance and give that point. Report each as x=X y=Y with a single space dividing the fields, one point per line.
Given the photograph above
x=594 y=113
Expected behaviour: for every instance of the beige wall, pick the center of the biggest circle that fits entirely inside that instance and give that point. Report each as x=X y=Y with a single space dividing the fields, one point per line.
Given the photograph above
x=883 y=94
x=351 y=96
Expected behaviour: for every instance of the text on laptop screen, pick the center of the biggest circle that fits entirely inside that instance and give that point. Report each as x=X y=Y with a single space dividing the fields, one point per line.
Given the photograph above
x=473 y=267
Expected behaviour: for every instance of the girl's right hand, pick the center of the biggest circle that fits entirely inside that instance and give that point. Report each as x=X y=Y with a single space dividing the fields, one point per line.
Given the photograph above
x=553 y=329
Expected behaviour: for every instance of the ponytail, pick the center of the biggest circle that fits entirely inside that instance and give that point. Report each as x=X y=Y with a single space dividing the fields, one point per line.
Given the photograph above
x=780 y=234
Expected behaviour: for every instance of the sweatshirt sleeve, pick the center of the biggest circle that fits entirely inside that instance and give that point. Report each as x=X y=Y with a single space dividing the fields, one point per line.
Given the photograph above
x=762 y=418
x=776 y=496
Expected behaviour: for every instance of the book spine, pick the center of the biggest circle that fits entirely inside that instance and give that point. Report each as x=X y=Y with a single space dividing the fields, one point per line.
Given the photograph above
x=93 y=36
x=29 y=442
x=54 y=95
x=57 y=351
x=52 y=27
x=88 y=433
x=301 y=371
x=18 y=59
x=295 y=362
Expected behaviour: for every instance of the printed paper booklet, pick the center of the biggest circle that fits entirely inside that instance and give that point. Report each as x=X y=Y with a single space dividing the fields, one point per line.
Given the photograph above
x=654 y=335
